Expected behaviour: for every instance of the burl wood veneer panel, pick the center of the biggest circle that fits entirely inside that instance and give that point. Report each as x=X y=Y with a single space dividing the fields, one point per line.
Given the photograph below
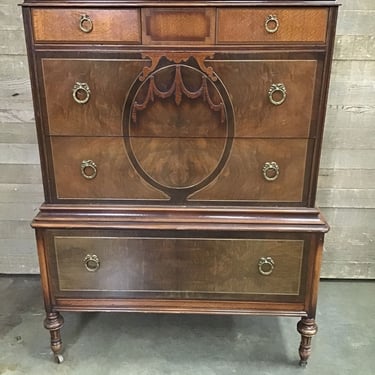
x=242 y=179
x=177 y=266
x=178 y=25
x=116 y=178
x=240 y=25
x=248 y=82
x=109 y=82
x=63 y=25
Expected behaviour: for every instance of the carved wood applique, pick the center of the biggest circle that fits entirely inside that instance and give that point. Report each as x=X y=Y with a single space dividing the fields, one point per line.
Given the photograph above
x=178 y=58
x=178 y=89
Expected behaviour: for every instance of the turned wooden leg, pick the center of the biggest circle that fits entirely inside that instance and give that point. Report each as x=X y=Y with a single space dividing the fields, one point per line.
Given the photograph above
x=54 y=322
x=307 y=328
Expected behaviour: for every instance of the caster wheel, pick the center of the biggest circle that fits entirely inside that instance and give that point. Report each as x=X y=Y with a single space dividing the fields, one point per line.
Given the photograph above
x=59 y=358
x=303 y=363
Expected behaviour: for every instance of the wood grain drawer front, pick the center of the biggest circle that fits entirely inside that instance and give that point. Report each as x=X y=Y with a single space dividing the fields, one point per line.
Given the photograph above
x=86 y=25
x=289 y=25
x=178 y=26
x=179 y=267
x=246 y=82
x=115 y=177
x=180 y=170
x=249 y=84
x=108 y=82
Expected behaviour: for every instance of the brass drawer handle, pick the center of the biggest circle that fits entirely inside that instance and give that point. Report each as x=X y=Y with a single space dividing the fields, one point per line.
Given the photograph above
x=92 y=262
x=277 y=88
x=266 y=266
x=85 y=23
x=81 y=92
x=88 y=169
x=271 y=171
x=271 y=24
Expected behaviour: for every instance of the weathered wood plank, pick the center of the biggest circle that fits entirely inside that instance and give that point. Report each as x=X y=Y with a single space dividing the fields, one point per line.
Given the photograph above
x=18 y=211
x=19 y=229
x=20 y=174
x=347 y=159
x=348 y=116
x=347 y=244
x=355 y=198
x=16 y=101
x=354 y=47
x=12 y=42
x=18 y=133
x=17 y=193
x=352 y=83
x=18 y=153
x=10 y=15
x=356 y=22
x=352 y=138
x=15 y=89
x=371 y=271
x=23 y=257
x=14 y=66
x=346 y=178
x=17 y=115
x=346 y=270
x=361 y=219
x=358 y=4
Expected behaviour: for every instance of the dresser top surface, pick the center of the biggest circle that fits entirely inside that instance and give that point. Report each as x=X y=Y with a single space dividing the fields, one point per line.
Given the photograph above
x=181 y=2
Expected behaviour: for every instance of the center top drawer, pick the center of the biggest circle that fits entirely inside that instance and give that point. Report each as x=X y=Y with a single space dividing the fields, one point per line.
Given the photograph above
x=181 y=25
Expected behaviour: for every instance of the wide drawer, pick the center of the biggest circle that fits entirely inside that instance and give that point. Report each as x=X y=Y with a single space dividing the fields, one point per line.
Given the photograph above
x=80 y=25
x=180 y=170
x=272 y=25
x=253 y=98
x=110 y=264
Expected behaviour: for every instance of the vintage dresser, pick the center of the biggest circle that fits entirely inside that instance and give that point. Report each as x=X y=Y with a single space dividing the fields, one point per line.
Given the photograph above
x=179 y=145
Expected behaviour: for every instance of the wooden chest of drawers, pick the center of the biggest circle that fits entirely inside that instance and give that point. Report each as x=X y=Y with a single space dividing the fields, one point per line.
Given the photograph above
x=179 y=146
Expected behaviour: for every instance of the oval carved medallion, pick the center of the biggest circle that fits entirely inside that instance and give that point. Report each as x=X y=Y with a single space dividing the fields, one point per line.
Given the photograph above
x=178 y=127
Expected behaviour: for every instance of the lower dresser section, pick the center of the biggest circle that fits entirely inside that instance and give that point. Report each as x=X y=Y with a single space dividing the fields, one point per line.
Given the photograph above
x=121 y=264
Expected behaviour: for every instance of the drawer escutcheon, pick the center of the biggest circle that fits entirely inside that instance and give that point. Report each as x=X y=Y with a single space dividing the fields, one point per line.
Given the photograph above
x=266 y=266
x=85 y=23
x=271 y=24
x=277 y=88
x=86 y=166
x=92 y=262
x=271 y=171
x=81 y=89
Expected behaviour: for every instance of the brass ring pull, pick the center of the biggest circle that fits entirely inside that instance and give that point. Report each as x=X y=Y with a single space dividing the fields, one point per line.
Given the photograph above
x=85 y=23
x=278 y=88
x=271 y=24
x=92 y=262
x=81 y=92
x=88 y=169
x=266 y=266
x=271 y=171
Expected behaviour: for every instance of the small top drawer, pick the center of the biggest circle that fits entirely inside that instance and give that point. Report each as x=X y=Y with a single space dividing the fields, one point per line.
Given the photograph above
x=178 y=25
x=86 y=25
x=270 y=25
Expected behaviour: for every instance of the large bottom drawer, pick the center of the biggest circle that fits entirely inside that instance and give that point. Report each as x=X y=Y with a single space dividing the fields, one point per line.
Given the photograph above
x=107 y=263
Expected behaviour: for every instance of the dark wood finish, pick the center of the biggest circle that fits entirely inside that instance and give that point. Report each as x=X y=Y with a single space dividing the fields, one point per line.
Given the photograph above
x=307 y=328
x=248 y=82
x=174 y=25
x=178 y=128
x=54 y=322
x=177 y=268
x=116 y=178
x=181 y=162
x=241 y=25
x=62 y=25
x=109 y=82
